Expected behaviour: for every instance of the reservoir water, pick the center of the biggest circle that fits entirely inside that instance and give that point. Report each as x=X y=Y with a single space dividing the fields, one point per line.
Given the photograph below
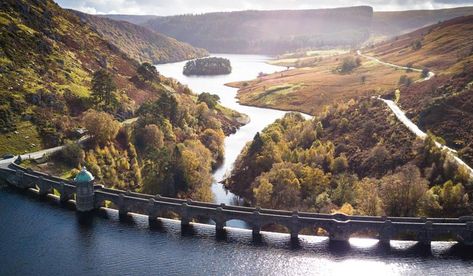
x=42 y=238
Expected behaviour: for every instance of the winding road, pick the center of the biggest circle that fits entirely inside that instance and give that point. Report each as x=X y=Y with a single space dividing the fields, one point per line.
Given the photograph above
x=431 y=74
x=41 y=153
x=401 y=115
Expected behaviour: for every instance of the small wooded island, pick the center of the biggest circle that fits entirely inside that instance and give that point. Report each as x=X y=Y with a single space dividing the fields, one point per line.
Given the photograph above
x=208 y=66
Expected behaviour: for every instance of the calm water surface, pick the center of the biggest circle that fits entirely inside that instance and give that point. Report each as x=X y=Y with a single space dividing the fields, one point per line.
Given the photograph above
x=41 y=237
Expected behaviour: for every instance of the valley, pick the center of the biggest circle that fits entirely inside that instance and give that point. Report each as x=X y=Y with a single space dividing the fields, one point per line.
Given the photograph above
x=354 y=142
x=337 y=86
x=348 y=131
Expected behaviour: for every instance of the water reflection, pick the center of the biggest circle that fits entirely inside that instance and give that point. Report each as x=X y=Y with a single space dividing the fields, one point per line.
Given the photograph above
x=355 y=248
x=32 y=230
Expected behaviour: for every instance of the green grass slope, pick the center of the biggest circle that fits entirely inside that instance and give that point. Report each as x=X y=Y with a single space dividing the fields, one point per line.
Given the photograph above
x=47 y=59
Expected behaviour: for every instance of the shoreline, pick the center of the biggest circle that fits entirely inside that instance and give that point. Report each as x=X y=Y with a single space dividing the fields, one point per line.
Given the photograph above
x=304 y=114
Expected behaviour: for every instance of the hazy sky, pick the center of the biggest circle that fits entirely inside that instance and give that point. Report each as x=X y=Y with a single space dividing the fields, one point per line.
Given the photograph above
x=170 y=7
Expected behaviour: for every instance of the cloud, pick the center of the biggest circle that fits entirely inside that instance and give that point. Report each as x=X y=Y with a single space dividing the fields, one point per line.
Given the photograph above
x=90 y=10
x=169 y=7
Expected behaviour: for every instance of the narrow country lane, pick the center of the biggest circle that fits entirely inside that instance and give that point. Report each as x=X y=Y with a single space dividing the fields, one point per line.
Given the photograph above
x=401 y=115
x=41 y=153
x=431 y=74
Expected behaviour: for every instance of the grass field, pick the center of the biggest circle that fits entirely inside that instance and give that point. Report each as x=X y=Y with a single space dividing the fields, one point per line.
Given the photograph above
x=309 y=89
x=25 y=139
x=305 y=58
x=54 y=168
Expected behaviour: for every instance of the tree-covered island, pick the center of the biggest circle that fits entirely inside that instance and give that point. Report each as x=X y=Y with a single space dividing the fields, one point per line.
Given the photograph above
x=208 y=66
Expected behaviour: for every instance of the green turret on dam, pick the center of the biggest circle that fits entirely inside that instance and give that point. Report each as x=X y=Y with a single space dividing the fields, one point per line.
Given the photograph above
x=85 y=191
x=340 y=227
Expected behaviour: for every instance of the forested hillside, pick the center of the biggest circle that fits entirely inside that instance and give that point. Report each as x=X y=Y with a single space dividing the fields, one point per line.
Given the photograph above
x=141 y=43
x=275 y=32
x=268 y=31
x=441 y=104
x=58 y=75
x=48 y=58
x=356 y=159
x=355 y=156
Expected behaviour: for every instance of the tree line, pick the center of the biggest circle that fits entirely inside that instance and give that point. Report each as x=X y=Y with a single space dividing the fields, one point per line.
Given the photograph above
x=171 y=149
x=299 y=164
x=208 y=66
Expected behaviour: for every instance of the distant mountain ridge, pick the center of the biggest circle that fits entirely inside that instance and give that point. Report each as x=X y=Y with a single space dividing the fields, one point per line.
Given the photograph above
x=134 y=19
x=393 y=23
x=141 y=43
x=270 y=32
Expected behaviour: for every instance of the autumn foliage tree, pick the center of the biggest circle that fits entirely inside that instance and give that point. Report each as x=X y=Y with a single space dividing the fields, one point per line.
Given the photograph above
x=101 y=126
x=402 y=191
x=179 y=140
x=213 y=140
x=315 y=165
x=209 y=99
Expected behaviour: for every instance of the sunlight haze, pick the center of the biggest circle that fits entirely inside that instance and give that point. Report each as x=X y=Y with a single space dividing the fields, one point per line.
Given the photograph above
x=153 y=7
